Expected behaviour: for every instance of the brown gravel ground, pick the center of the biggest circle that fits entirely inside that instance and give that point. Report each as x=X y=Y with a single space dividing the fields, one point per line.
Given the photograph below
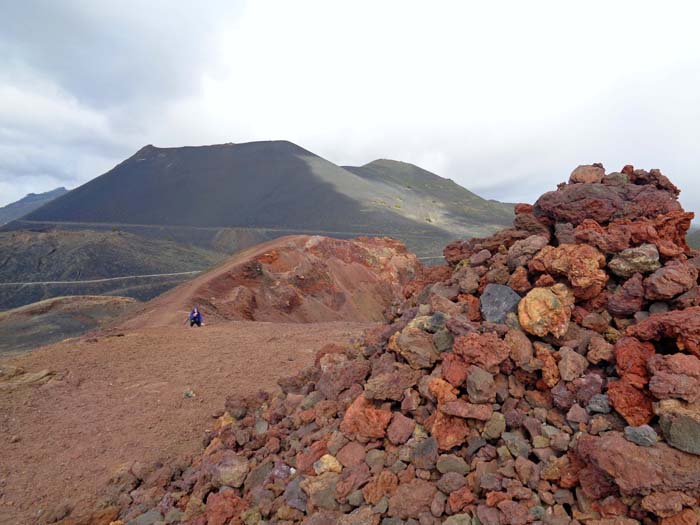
x=121 y=399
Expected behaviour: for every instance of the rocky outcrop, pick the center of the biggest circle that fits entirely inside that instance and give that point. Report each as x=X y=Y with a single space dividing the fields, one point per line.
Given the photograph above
x=546 y=378
x=296 y=279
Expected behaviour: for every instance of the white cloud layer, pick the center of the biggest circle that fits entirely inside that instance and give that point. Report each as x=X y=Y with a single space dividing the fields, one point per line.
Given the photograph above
x=503 y=97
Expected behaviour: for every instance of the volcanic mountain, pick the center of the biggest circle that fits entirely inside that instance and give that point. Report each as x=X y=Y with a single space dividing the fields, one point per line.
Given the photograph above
x=28 y=204
x=263 y=190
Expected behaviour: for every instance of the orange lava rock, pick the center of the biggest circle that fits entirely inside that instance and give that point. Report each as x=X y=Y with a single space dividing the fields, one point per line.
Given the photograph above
x=365 y=421
x=632 y=404
x=581 y=264
x=631 y=358
x=484 y=350
x=681 y=325
x=546 y=311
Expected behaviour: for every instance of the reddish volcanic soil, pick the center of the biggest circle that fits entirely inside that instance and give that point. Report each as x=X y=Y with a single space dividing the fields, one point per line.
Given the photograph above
x=120 y=398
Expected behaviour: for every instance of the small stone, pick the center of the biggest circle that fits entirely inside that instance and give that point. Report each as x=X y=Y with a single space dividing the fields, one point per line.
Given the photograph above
x=517 y=445
x=642 y=435
x=572 y=364
x=577 y=414
x=327 y=463
x=425 y=454
x=452 y=463
x=375 y=459
x=599 y=404
x=495 y=426
x=480 y=385
x=400 y=428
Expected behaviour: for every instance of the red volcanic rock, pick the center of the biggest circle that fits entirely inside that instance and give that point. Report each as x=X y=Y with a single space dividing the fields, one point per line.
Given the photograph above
x=400 y=428
x=675 y=376
x=609 y=239
x=222 y=507
x=576 y=202
x=546 y=310
x=383 y=485
x=628 y=298
x=641 y=470
x=460 y=250
x=365 y=421
x=666 y=504
x=454 y=369
x=581 y=264
x=339 y=373
x=460 y=408
x=426 y=276
x=294 y=279
x=411 y=499
x=392 y=383
x=484 y=350
x=671 y=280
x=449 y=431
x=681 y=325
x=632 y=404
x=631 y=358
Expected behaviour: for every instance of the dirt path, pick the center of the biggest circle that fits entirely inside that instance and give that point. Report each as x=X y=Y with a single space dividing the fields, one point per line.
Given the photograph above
x=121 y=399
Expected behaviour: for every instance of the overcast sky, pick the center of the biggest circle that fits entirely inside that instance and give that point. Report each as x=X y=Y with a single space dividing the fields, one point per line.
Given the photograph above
x=506 y=98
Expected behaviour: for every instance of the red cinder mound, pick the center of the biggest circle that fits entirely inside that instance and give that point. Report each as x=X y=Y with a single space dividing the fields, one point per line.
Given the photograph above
x=294 y=279
x=549 y=376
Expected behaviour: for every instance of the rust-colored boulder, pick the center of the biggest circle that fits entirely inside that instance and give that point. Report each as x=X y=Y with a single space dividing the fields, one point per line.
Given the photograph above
x=681 y=325
x=575 y=202
x=365 y=421
x=484 y=350
x=631 y=356
x=546 y=311
x=632 y=404
x=673 y=279
x=581 y=264
x=675 y=376
x=641 y=470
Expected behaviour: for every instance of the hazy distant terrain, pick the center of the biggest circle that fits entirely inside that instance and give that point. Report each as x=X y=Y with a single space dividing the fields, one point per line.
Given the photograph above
x=58 y=263
x=28 y=204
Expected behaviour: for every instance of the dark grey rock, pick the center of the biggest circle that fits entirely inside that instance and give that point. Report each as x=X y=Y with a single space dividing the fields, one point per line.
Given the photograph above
x=497 y=301
x=642 y=435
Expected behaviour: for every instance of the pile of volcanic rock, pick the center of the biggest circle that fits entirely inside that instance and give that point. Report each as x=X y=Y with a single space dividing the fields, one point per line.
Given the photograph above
x=550 y=374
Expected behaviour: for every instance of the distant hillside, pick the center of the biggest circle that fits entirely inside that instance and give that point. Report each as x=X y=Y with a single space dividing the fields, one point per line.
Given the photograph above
x=275 y=188
x=28 y=204
x=57 y=263
x=53 y=320
x=434 y=199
